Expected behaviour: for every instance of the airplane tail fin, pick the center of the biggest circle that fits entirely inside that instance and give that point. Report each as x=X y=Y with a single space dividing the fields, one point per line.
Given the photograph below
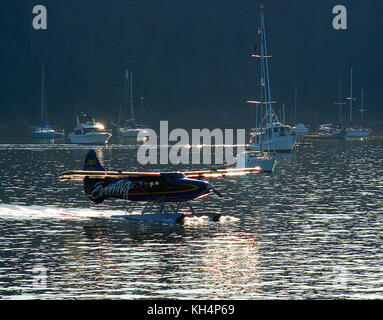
x=92 y=163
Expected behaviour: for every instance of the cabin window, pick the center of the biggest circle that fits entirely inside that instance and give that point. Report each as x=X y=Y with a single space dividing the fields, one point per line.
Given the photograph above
x=87 y=130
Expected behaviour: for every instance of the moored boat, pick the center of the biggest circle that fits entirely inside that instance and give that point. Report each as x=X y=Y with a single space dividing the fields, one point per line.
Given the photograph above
x=271 y=136
x=252 y=159
x=129 y=129
x=89 y=132
x=45 y=131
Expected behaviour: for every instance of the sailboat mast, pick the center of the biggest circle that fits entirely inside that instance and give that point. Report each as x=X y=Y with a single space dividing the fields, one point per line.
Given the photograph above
x=340 y=103
x=362 y=105
x=267 y=78
x=122 y=99
x=262 y=87
x=295 y=106
x=340 y=98
x=131 y=97
x=351 y=98
x=267 y=68
x=42 y=94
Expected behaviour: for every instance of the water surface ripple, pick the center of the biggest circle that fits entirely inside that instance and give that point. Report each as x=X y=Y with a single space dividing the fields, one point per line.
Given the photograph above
x=311 y=230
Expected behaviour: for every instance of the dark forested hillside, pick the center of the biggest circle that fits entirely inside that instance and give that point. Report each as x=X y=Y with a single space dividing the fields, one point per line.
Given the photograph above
x=190 y=59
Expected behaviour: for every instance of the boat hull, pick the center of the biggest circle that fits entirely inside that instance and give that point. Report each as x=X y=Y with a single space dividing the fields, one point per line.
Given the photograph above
x=326 y=136
x=130 y=133
x=300 y=132
x=280 y=144
x=99 y=138
x=47 y=135
x=267 y=164
x=300 y=129
x=357 y=133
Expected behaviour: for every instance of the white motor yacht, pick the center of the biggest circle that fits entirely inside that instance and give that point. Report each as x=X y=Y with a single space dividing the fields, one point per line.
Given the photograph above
x=89 y=132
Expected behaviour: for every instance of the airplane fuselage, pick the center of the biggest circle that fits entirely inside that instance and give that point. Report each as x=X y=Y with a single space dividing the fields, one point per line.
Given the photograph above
x=168 y=187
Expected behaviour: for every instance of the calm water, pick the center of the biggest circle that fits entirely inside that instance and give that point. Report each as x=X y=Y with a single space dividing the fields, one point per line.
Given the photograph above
x=311 y=230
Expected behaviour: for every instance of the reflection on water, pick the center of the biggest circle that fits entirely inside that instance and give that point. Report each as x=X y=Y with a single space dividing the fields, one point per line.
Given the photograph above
x=310 y=230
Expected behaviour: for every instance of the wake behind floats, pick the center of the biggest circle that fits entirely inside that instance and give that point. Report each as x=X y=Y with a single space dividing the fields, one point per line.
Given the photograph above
x=161 y=188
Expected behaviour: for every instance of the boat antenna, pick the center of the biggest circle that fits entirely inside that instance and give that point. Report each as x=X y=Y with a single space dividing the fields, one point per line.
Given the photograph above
x=351 y=98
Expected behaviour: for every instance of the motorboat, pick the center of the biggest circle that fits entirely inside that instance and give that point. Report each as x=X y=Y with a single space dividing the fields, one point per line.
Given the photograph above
x=89 y=132
x=327 y=131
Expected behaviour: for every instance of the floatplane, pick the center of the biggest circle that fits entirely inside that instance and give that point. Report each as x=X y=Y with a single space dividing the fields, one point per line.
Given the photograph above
x=171 y=189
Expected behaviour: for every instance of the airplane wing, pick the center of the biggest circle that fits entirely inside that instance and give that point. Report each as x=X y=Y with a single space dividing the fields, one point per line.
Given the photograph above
x=79 y=175
x=221 y=172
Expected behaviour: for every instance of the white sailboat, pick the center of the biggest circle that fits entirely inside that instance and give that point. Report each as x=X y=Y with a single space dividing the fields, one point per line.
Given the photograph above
x=272 y=136
x=45 y=131
x=130 y=129
x=252 y=159
x=89 y=131
x=355 y=131
x=258 y=156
